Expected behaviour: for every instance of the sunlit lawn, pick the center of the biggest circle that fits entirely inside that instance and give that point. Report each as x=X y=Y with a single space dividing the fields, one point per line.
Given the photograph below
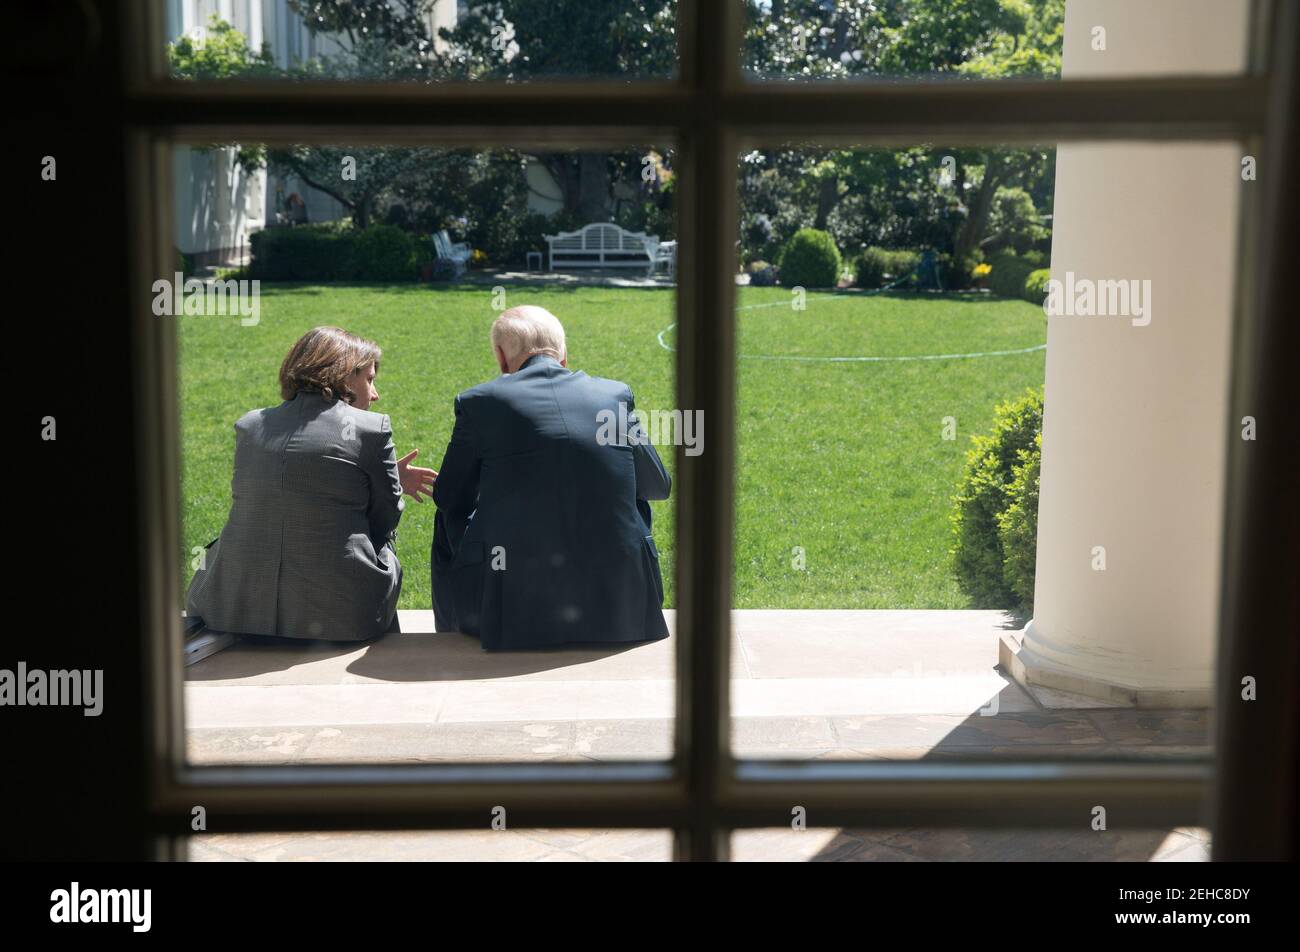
x=843 y=462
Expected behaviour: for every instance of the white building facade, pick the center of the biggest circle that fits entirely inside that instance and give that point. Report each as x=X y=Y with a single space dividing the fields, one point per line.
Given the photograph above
x=217 y=204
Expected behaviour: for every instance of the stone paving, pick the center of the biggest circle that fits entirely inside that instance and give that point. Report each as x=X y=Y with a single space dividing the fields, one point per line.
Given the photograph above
x=805 y=685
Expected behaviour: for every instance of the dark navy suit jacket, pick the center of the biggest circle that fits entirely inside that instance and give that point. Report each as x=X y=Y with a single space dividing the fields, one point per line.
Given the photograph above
x=542 y=535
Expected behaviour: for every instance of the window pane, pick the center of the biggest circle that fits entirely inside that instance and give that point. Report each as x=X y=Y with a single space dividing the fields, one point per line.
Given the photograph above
x=992 y=39
x=554 y=533
x=933 y=559
x=1179 y=845
x=421 y=40
x=424 y=846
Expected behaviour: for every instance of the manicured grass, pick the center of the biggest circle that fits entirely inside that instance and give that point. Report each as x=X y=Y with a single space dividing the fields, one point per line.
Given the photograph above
x=845 y=460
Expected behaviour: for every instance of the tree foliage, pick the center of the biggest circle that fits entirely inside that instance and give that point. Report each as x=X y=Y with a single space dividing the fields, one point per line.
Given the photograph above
x=222 y=53
x=901 y=198
x=959 y=202
x=532 y=39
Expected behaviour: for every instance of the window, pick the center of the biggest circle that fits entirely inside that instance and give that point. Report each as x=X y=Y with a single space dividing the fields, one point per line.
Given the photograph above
x=712 y=114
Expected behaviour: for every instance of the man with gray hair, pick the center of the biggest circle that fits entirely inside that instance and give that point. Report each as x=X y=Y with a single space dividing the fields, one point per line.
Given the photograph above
x=542 y=536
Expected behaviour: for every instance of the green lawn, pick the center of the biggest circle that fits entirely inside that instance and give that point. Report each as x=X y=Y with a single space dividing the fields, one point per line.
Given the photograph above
x=843 y=459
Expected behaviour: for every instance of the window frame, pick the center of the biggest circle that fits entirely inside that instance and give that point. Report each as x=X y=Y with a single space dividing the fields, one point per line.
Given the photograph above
x=709 y=113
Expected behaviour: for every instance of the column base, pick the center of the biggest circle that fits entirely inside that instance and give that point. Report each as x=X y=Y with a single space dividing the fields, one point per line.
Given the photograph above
x=1031 y=670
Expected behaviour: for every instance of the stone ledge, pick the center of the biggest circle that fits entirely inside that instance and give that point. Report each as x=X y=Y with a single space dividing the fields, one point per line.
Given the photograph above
x=805 y=684
x=1042 y=735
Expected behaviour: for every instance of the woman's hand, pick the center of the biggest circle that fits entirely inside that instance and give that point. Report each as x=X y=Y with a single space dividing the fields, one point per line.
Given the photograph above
x=415 y=479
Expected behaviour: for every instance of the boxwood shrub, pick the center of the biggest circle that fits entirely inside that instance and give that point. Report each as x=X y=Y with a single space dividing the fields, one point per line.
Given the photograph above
x=1009 y=273
x=811 y=260
x=332 y=252
x=1035 y=291
x=995 y=511
x=384 y=253
x=877 y=267
x=302 y=253
x=1018 y=525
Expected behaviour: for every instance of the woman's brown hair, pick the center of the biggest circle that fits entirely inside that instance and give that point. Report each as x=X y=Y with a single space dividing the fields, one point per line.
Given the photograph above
x=323 y=359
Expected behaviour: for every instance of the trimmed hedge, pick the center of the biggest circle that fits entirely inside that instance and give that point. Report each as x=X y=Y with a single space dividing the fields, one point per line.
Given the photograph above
x=1009 y=274
x=811 y=260
x=1018 y=525
x=995 y=511
x=877 y=267
x=384 y=253
x=1036 y=285
x=302 y=253
x=326 y=252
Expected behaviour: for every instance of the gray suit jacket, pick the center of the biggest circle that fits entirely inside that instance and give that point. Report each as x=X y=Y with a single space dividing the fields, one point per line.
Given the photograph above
x=307 y=551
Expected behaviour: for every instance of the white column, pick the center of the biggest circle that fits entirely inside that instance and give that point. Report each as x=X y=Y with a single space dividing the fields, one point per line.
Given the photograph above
x=1136 y=417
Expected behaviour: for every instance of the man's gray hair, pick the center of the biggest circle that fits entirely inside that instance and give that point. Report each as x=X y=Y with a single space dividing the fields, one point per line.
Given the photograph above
x=528 y=329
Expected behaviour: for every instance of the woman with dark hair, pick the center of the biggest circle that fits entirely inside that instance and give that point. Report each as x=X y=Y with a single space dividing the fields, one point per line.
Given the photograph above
x=307 y=551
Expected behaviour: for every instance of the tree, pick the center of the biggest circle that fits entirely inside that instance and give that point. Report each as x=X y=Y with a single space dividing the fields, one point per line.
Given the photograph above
x=980 y=176
x=399 y=25
x=984 y=39
x=520 y=40
x=825 y=39
x=859 y=197
x=378 y=172
x=1032 y=49
x=511 y=40
x=223 y=53
x=386 y=39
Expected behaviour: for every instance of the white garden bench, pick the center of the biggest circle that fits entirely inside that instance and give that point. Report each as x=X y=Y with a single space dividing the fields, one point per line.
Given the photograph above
x=458 y=254
x=602 y=245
